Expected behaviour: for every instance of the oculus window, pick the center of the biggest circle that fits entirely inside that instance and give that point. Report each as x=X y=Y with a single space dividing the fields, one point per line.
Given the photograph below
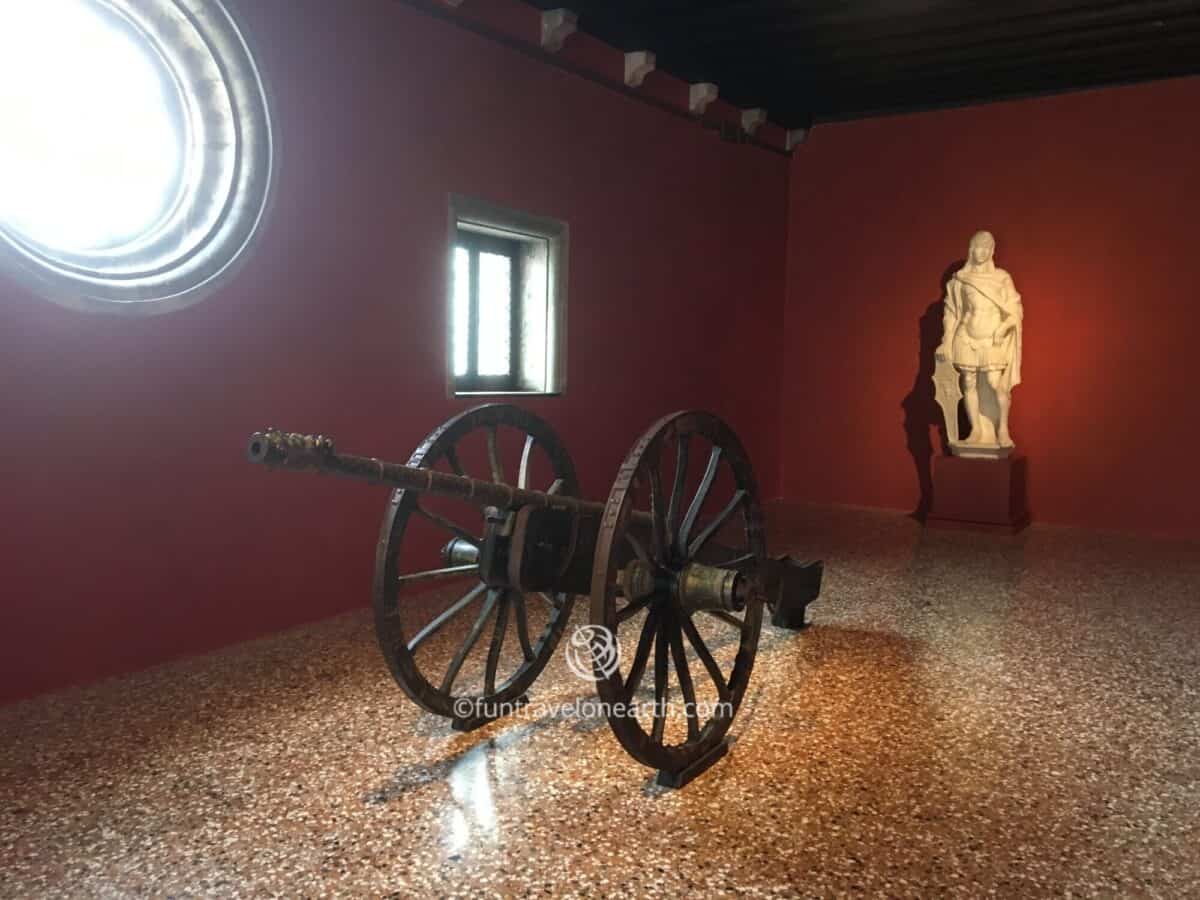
x=136 y=152
x=507 y=300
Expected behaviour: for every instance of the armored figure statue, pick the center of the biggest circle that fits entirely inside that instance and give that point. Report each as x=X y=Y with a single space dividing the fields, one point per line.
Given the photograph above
x=981 y=337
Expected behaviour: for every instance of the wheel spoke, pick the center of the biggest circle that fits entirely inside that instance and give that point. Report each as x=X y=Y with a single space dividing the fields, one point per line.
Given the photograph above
x=493 y=453
x=526 y=453
x=659 y=515
x=681 y=463
x=552 y=602
x=717 y=523
x=442 y=522
x=433 y=574
x=445 y=616
x=631 y=609
x=638 y=667
x=493 y=659
x=706 y=657
x=689 y=520
x=724 y=616
x=738 y=561
x=522 y=617
x=460 y=657
x=685 y=682
x=452 y=459
x=660 y=683
x=556 y=487
x=638 y=549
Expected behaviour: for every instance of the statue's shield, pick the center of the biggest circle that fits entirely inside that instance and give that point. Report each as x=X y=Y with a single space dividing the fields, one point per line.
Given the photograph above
x=948 y=393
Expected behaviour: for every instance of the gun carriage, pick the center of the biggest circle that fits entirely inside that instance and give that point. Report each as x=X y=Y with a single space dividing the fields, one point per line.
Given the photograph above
x=677 y=551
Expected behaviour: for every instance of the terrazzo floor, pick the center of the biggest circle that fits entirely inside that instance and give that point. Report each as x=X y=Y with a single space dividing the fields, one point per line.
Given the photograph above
x=969 y=715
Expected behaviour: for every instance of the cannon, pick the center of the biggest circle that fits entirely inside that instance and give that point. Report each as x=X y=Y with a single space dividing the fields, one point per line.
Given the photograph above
x=676 y=558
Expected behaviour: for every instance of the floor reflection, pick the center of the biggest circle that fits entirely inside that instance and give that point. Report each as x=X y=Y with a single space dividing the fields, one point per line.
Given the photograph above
x=473 y=818
x=960 y=720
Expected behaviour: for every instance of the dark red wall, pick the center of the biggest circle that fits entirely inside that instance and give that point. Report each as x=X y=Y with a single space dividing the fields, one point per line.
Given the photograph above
x=134 y=531
x=1093 y=199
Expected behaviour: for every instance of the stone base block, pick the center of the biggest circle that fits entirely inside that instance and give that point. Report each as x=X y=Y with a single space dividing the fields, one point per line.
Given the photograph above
x=981 y=494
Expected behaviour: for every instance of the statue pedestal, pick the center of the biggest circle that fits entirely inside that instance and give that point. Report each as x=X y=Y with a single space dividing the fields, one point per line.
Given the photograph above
x=979 y=494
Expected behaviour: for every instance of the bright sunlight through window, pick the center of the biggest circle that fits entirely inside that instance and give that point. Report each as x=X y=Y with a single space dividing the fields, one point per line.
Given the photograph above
x=507 y=300
x=135 y=149
x=92 y=155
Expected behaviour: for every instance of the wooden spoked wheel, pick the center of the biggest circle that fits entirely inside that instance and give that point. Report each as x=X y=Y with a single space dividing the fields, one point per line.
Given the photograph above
x=685 y=493
x=447 y=637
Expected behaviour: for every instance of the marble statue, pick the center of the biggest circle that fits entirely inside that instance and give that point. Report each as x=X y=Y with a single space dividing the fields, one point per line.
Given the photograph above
x=979 y=359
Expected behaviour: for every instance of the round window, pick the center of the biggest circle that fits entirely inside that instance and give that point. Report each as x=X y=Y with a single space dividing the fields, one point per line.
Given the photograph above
x=135 y=155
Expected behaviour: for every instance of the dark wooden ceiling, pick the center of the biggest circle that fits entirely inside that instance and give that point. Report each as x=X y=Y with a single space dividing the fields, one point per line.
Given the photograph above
x=819 y=60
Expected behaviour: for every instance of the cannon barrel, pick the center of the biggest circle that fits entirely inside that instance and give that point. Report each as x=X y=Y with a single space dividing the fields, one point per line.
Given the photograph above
x=316 y=453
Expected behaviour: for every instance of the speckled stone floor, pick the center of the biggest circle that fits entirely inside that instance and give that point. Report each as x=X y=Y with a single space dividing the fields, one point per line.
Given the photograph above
x=968 y=716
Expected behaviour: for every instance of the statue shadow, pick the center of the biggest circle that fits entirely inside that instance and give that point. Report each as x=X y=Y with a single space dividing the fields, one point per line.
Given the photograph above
x=921 y=411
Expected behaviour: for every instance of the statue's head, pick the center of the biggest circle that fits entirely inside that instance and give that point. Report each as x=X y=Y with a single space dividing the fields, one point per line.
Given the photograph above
x=981 y=248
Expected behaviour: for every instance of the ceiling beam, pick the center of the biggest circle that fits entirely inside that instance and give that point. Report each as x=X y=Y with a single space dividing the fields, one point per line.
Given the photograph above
x=925 y=96
x=949 y=25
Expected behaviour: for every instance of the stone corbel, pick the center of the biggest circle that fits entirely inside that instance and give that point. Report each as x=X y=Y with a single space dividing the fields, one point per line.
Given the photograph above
x=638 y=65
x=700 y=95
x=557 y=26
x=752 y=119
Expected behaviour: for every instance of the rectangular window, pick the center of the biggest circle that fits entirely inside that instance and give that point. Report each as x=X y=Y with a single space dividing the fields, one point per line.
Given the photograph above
x=507 y=301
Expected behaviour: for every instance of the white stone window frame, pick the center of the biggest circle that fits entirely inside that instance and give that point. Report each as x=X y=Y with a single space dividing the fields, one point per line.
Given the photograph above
x=474 y=214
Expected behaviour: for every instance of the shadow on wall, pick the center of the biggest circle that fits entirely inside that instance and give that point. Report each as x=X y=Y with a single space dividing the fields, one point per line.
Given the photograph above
x=921 y=411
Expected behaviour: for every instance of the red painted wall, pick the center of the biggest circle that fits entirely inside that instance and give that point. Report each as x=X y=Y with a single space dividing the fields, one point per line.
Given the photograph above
x=1093 y=199
x=134 y=531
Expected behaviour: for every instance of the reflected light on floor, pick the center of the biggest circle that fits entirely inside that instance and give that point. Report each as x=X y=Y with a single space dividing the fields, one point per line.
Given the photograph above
x=473 y=820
